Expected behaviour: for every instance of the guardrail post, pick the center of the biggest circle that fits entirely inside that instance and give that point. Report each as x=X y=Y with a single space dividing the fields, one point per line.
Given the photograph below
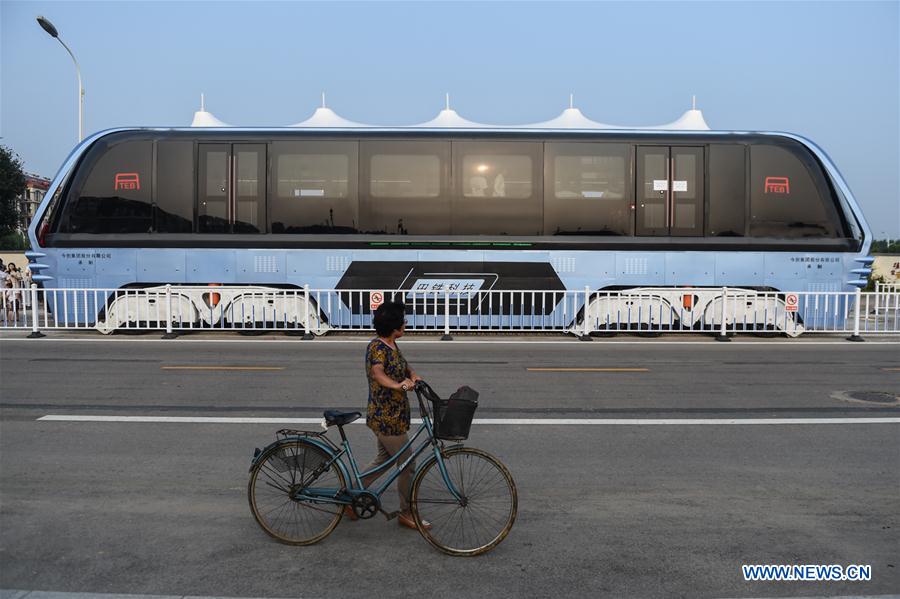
x=307 y=334
x=35 y=333
x=723 y=332
x=586 y=331
x=170 y=333
x=858 y=301
x=446 y=336
x=877 y=299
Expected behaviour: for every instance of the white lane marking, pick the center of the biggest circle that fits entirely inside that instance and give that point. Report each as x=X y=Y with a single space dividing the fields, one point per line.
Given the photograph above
x=484 y=421
x=792 y=343
x=17 y=594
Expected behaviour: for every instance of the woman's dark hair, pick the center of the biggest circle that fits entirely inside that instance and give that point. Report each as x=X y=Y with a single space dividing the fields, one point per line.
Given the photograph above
x=389 y=318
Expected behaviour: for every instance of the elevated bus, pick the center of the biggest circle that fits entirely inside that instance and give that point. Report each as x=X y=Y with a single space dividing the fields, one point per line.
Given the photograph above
x=675 y=215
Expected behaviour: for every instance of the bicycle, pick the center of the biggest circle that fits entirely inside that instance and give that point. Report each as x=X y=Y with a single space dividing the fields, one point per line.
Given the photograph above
x=298 y=487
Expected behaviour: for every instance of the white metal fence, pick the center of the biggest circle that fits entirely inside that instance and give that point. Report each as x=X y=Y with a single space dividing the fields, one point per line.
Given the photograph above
x=720 y=311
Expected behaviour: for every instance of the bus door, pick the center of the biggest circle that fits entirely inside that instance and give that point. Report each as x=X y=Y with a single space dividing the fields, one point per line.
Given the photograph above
x=670 y=186
x=231 y=187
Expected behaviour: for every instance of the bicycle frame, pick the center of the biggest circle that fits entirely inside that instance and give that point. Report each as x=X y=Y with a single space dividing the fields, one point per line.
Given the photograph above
x=345 y=496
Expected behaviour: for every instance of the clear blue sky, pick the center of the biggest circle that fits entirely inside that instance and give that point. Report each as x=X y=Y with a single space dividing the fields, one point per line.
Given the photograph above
x=827 y=70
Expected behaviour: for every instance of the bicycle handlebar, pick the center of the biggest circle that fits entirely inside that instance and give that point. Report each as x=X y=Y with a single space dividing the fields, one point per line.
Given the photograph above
x=422 y=388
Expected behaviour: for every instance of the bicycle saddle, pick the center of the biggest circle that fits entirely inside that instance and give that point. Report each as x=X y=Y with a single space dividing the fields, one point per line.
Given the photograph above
x=335 y=418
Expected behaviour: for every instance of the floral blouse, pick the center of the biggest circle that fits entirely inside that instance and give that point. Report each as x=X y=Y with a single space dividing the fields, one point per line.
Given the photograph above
x=388 y=412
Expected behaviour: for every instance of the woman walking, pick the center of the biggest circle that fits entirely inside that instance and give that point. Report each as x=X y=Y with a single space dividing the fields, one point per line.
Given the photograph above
x=390 y=377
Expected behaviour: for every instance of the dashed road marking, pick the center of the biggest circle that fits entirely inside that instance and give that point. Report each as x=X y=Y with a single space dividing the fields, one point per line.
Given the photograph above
x=588 y=369
x=19 y=594
x=222 y=368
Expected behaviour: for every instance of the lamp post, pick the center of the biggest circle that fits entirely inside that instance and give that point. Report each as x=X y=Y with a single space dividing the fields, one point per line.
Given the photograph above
x=49 y=28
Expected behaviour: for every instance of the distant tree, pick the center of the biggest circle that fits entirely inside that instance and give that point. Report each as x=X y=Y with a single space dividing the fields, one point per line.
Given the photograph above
x=886 y=246
x=12 y=185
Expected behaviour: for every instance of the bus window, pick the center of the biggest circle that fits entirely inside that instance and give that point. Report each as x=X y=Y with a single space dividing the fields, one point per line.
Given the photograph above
x=115 y=196
x=587 y=192
x=784 y=199
x=405 y=187
x=249 y=208
x=498 y=187
x=727 y=191
x=174 y=201
x=315 y=187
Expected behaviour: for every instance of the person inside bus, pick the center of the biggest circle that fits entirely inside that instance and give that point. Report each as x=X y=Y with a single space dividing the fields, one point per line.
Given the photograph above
x=500 y=185
x=390 y=377
x=477 y=186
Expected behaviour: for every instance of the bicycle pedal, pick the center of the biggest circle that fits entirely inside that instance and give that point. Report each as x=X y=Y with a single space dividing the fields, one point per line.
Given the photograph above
x=390 y=516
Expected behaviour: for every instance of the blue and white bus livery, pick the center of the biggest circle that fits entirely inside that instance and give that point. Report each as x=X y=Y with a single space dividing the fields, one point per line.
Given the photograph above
x=478 y=209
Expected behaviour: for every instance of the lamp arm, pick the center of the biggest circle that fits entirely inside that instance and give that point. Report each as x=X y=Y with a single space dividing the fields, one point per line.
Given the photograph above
x=80 y=91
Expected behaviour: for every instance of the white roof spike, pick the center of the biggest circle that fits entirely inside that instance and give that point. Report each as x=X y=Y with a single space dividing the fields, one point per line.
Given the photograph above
x=449 y=119
x=571 y=100
x=326 y=117
x=571 y=118
x=206 y=119
x=691 y=120
x=323 y=100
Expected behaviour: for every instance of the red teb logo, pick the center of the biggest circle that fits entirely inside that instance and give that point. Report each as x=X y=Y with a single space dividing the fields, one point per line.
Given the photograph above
x=132 y=181
x=777 y=185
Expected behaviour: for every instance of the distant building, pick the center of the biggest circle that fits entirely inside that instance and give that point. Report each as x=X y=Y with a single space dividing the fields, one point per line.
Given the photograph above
x=35 y=188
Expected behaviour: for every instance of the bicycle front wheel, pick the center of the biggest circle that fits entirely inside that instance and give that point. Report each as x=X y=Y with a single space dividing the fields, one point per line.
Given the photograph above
x=275 y=481
x=483 y=516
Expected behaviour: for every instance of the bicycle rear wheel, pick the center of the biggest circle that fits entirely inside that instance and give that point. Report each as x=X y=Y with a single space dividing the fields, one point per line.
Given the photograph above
x=486 y=513
x=280 y=473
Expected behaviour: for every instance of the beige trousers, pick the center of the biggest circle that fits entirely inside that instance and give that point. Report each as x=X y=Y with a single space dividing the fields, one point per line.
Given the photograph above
x=388 y=445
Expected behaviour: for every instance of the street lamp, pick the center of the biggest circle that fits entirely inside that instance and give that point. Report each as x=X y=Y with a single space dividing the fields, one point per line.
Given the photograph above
x=49 y=28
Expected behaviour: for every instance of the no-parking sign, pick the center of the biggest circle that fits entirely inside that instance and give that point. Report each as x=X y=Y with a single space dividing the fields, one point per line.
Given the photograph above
x=376 y=299
x=790 y=302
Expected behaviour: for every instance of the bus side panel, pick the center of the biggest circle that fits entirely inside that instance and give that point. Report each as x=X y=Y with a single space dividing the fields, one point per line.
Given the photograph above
x=115 y=266
x=738 y=269
x=261 y=266
x=698 y=267
x=640 y=269
x=212 y=266
x=162 y=266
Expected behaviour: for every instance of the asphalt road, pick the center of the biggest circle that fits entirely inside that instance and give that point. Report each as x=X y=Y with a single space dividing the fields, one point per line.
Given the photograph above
x=604 y=510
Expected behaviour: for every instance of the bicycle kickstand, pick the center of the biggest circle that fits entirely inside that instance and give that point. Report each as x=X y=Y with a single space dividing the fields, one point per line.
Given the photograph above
x=389 y=515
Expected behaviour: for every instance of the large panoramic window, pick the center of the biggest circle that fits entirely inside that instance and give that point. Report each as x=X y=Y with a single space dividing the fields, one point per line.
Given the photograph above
x=174 y=197
x=727 y=191
x=405 y=187
x=405 y=176
x=785 y=201
x=589 y=189
x=498 y=188
x=315 y=187
x=115 y=196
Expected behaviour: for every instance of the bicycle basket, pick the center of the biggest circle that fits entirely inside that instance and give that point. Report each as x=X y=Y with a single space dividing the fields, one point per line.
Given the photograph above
x=453 y=416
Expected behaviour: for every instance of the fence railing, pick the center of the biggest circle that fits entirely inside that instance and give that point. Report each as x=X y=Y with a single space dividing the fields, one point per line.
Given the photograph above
x=585 y=313
x=887 y=288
